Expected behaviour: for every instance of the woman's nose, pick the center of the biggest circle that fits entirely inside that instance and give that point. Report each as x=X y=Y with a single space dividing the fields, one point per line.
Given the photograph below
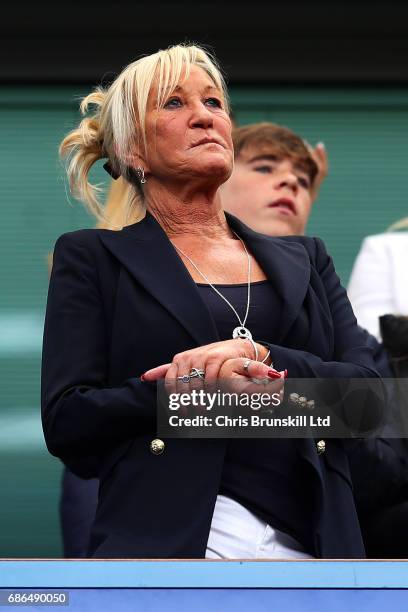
x=201 y=116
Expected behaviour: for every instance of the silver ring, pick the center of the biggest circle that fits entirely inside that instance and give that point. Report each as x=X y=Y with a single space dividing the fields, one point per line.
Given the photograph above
x=197 y=373
x=246 y=365
x=185 y=378
x=194 y=373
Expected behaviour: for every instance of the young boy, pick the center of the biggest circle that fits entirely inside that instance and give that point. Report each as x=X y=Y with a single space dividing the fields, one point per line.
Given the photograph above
x=276 y=179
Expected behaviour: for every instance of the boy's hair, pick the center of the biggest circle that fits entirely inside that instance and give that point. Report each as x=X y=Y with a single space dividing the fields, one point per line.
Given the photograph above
x=274 y=140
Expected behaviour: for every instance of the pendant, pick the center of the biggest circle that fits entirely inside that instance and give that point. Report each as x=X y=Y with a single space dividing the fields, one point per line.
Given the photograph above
x=241 y=332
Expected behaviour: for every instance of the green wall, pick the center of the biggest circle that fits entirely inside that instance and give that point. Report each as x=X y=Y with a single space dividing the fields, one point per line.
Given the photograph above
x=366 y=136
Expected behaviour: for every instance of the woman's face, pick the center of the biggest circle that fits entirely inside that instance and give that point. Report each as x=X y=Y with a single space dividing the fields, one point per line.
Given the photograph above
x=190 y=137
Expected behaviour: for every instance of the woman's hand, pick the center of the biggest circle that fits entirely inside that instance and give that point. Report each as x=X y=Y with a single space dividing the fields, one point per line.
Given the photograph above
x=209 y=358
x=253 y=373
x=226 y=361
x=239 y=375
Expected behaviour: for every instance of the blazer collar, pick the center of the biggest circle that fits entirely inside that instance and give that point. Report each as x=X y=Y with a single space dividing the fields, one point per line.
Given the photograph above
x=146 y=252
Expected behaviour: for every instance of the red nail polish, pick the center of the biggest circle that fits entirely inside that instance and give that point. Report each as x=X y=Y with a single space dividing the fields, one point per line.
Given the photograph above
x=273 y=374
x=142 y=378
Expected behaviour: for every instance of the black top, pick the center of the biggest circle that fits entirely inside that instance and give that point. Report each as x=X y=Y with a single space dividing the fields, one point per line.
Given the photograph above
x=264 y=303
x=267 y=476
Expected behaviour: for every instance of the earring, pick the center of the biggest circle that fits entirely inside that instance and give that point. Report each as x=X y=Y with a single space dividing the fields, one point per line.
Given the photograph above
x=141 y=175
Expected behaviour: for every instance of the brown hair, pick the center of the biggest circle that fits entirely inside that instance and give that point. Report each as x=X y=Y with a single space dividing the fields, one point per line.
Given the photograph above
x=277 y=140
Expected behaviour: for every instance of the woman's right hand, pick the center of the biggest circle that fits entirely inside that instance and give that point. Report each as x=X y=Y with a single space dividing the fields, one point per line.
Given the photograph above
x=241 y=368
x=253 y=373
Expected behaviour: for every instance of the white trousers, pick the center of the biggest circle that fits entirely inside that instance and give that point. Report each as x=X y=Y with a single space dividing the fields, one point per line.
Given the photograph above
x=236 y=533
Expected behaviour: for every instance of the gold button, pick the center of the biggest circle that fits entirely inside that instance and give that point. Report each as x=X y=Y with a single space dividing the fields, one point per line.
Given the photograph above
x=157 y=446
x=320 y=447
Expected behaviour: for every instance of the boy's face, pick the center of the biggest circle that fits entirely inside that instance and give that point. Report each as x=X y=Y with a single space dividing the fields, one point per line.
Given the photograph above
x=270 y=195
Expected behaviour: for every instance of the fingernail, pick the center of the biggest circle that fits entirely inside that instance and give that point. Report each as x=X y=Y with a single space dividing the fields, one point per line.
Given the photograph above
x=142 y=378
x=321 y=144
x=273 y=374
x=283 y=373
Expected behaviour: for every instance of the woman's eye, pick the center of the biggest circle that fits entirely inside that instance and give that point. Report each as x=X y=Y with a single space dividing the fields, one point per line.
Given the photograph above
x=214 y=102
x=264 y=169
x=173 y=103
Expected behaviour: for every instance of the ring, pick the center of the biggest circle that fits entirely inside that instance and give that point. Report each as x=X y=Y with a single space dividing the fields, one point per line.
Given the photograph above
x=185 y=378
x=197 y=373
x=194 y=373
x=246 y=365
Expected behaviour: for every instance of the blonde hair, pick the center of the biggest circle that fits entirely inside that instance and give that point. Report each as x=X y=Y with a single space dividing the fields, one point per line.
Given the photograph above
x=401 y=224
x=117 y=126
x=114 y=210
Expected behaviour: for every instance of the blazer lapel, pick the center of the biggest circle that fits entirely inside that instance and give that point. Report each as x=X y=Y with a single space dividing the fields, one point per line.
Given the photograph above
x=146 y=252
x=285 y=263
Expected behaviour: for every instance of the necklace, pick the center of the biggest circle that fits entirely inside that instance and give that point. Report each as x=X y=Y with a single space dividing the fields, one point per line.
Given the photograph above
x=240 y=331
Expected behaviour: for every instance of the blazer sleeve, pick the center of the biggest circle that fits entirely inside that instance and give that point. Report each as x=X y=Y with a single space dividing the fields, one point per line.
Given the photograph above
x=370 y=288
x=81 y=414
x=352 y=357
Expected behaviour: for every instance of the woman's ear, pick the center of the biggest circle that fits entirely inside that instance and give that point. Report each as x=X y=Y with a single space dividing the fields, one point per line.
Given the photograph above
x=136 y=159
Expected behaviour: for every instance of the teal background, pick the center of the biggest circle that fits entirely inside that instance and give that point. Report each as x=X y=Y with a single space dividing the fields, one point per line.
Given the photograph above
x=365 y=132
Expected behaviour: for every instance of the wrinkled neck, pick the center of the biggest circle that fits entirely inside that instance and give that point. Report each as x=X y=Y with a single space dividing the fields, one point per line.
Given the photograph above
x=190 y=213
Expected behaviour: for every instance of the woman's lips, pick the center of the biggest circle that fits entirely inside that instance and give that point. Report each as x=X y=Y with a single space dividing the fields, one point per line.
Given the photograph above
x=206 y=141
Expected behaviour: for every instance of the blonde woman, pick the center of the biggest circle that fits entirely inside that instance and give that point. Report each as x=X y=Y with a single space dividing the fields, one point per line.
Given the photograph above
x=162 y=299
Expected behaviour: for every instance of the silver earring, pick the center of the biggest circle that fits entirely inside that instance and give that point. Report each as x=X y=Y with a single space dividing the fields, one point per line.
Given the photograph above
x=141 y=175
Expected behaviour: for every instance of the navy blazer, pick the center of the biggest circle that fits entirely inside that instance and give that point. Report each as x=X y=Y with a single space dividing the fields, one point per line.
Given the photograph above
x=120 y=303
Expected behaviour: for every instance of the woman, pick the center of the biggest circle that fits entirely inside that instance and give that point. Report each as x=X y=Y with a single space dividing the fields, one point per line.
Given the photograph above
x=127 y=308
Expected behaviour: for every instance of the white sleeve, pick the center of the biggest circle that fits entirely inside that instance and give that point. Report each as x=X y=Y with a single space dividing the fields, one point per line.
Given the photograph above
x=371 y=288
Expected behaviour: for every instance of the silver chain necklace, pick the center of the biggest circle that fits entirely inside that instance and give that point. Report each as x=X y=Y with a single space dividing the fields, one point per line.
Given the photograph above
x=241 y=331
